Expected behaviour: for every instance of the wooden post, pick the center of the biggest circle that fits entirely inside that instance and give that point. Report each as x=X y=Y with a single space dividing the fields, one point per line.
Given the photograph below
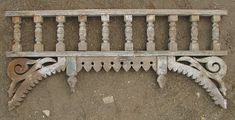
x=38 y=46
x=194 y=32
x=172 y=45
x=60 y=46
x=150 y=33
x=82 y=45
x=215 y=32
x=71 y=71
x=105 y=46
x=128 y=32
x=17 y=47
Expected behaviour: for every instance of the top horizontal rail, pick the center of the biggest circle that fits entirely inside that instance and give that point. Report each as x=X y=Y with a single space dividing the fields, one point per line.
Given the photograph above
x=115 y=53
x=117 y=12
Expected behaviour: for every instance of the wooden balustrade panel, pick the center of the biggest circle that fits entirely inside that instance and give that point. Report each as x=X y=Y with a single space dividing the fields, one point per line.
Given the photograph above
x=29 y=67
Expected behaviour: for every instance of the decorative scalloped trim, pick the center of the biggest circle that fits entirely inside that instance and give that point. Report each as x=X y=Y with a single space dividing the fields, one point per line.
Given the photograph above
x=108 y=63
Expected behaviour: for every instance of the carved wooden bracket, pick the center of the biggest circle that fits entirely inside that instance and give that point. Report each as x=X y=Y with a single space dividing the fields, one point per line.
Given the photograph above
x=205 y=67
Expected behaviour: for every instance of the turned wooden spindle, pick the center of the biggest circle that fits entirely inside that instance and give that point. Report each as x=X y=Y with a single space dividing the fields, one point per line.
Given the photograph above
x=105 y=46
x=38 y=46
x=17 y=47
x=128 y=32
x=172 y=45
x=194 y=32
x=215 y=32
x=82 y=45
x=150 y=33
x=60 y=46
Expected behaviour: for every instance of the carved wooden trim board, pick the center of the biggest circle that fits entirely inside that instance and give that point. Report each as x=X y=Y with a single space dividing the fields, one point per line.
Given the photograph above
x=205 y=67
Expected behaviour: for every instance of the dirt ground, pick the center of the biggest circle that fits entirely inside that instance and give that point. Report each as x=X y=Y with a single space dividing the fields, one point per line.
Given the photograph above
x=136 y=94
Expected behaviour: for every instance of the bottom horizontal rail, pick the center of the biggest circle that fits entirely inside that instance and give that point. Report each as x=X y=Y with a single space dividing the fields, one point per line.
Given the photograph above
x=115 y=53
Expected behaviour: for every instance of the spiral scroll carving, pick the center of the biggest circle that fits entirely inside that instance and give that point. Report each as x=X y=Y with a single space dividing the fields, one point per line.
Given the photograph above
x=26 y=73
x=215 y=69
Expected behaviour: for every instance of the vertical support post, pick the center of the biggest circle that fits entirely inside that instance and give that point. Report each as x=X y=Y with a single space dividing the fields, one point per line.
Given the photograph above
x=150 y=33
x=17 y=47
x=82 y=45
x=71 y=71
x=38 y=46
x=128 y=32
x=215 y=32
x=161 y=70
x=194 y=32
x=105 y=46
x=60 y=46
x=172 y=45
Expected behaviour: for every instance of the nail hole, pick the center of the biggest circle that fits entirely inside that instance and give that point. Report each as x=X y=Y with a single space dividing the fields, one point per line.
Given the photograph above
x=131 y=62
x=83 y=63
x=111 y=63
x=151 y=62
x=92 y=63
x=141 y=62
x=102 y=63
x=121 y=63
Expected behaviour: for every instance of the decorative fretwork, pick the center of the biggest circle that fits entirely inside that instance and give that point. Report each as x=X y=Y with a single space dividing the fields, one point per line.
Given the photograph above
x=97 y=63
x=215 y=70
x=28 y=73
x=204 y=66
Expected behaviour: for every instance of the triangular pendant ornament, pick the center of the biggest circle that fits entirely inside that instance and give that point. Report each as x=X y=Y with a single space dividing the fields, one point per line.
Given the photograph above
x=97 y=66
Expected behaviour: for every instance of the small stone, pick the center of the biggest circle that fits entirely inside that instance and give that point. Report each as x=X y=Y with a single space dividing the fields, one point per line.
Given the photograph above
x=108 y=100
x=198 y=94
x=203 y=118
x=46 y=112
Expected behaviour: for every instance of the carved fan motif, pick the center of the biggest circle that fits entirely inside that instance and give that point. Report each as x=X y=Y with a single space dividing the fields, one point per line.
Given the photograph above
x=29 y=73
x=215 y=69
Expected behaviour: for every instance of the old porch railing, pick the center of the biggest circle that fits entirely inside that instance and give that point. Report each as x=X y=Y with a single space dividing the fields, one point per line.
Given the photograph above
x=25 y=73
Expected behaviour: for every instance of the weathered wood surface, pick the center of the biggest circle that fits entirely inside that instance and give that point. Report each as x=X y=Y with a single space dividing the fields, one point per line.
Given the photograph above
x=27 y=73
x=194 y=33
x=117 y=12
x=116 y=53
x=60 y=46
x=203 y=70
x=150 y=33
x=128 y=33
x=82 y=45
x=215 y=32
x=214 y=71
x=71 y=71
x=105 y=46
x=38 y=46
x=162 y=71
x=118 y=62
x=172 y=45
x=17 y=47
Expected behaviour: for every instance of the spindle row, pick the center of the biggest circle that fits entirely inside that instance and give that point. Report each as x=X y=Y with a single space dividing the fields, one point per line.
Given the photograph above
x=105 y=45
